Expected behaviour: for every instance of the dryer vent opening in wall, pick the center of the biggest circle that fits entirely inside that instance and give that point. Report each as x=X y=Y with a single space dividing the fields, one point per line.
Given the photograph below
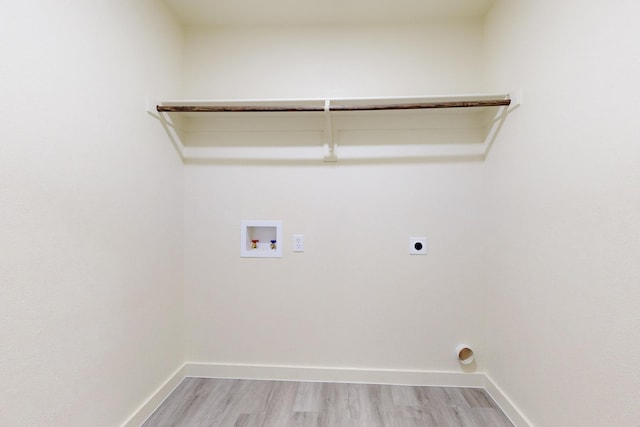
x=465 y=354
x=261 y=239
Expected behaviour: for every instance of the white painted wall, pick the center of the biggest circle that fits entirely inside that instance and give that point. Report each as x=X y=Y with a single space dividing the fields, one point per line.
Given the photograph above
x=541 y=240
x=332 y=61
x=562 y=212
x=90 y=211
x=354 y=298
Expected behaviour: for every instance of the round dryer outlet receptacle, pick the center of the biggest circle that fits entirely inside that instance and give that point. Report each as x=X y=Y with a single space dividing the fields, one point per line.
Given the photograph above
x=417 y=245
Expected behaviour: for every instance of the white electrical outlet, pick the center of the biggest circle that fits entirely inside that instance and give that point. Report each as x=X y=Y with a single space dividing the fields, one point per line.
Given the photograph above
x=417 y=245
x=298 y=243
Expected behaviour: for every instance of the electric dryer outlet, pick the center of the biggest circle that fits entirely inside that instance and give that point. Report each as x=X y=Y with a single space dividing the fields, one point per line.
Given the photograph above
x=417 y=245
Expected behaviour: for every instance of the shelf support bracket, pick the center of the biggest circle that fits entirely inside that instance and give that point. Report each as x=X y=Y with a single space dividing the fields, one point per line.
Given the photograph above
x=330 y=144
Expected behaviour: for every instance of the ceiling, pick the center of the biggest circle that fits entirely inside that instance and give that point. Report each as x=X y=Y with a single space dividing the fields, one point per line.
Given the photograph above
x=306 y=12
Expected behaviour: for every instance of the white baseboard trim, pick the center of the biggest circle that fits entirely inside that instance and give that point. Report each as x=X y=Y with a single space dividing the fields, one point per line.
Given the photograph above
x=324 y=374
x=507 y=406
x=152 y=403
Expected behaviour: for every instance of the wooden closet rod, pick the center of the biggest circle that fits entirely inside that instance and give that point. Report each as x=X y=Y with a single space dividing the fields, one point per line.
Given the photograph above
x=291 y=108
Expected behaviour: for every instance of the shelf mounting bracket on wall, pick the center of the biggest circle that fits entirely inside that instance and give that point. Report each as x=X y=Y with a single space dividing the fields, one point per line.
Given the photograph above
x=330 y=144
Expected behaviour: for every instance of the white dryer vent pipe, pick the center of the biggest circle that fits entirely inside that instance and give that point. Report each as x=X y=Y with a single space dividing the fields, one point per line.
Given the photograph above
x=464 y=354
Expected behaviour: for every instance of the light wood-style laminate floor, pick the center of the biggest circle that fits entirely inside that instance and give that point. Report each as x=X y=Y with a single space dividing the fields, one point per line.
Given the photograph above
x=201 y=402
